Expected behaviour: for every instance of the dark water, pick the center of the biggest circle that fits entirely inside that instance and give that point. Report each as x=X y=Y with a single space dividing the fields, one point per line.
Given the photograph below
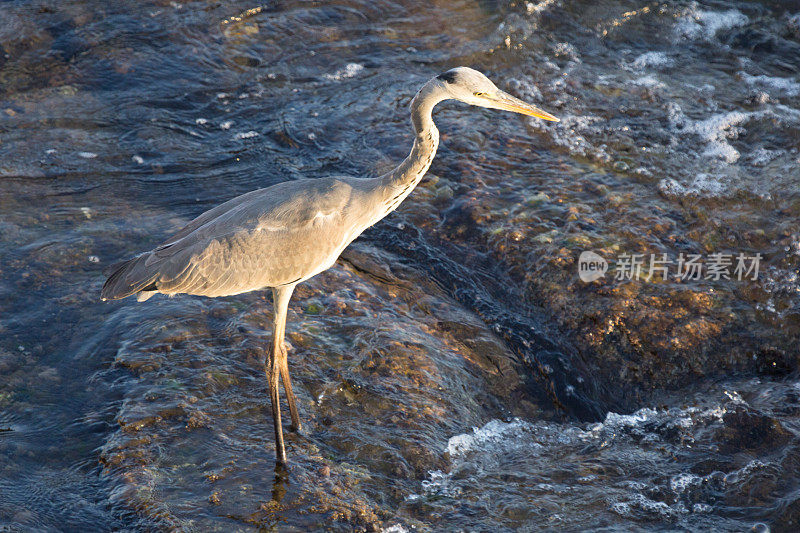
x=453 y=371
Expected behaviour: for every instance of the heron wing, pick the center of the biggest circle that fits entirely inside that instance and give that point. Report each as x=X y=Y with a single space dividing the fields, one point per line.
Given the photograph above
x=266 y=238
x=213 y=213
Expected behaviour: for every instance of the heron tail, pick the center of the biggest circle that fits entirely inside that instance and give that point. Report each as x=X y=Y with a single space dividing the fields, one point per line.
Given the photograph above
x=128 y=278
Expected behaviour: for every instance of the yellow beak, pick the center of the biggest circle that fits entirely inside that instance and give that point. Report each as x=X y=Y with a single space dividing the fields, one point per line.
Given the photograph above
x=509 y=103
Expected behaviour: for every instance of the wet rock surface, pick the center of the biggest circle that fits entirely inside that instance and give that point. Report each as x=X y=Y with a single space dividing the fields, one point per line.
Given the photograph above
x=453 y=370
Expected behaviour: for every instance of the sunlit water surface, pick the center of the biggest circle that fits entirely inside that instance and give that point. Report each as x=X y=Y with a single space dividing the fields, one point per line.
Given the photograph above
x=453 y=372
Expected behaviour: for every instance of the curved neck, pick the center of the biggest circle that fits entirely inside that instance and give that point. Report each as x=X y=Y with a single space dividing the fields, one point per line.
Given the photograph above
x=398 y=183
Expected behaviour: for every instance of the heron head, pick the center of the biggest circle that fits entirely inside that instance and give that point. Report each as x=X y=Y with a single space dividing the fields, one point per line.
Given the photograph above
x=471 y=87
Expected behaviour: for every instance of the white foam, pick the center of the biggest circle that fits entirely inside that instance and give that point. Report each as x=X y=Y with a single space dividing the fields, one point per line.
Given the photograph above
x=646 y=436
x=703 y=185
x=684 y=481
x=699 y=24
x=201 y=121
x=715 y=130
x=786 y=86
x=567 y=50
x=722 y=151
x=524 y=89
x=538 y=7
x=87 y=155
x=615 y=420
x=648 y=81
x=394 y=528
x=440 y=484
x=350 y=70
x=246 y=135
x=712 y=127
x=652 y=59
x=652 y=507
x=569 y=134
x=226 y=125
x=762 y=156
x=139 y=160
x=493 y=431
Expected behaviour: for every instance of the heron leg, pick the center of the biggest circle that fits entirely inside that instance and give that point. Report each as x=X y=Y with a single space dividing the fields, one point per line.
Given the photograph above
x=273 y=375
x=278 y=365
x=287 y=387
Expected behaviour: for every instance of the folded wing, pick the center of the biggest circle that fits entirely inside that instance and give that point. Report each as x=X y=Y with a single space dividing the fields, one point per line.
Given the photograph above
x=265 y=238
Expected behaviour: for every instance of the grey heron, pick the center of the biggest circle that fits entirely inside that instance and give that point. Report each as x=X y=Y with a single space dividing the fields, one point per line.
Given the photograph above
x=281 y=235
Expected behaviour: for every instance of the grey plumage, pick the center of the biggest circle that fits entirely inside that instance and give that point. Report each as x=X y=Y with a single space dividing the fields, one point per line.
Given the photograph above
x=282 y=235
x=266 y=238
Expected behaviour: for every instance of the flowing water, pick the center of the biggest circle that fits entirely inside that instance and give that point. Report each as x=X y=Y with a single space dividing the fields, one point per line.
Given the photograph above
x=453 y=371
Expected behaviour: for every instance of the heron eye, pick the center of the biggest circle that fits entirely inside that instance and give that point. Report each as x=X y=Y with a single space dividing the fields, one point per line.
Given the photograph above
x=481 y=94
